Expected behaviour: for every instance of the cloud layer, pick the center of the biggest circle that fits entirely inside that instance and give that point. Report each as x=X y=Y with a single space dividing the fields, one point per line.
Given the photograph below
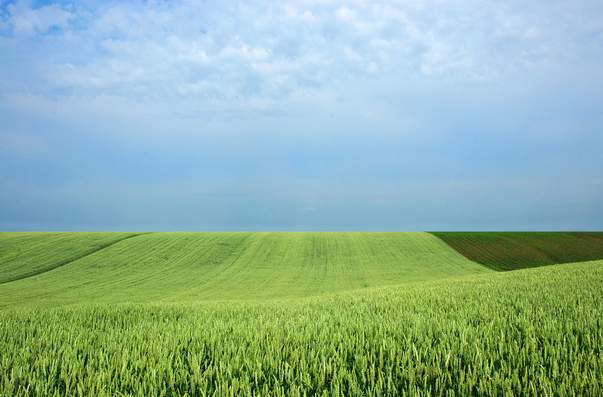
x=217 y=56
x=389 y=103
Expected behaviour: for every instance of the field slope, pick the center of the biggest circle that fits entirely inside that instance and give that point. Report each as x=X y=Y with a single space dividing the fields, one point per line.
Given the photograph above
x=181 y=267
x=295 y=314
x=27 y=254
x=531 y=332
x=516 y=250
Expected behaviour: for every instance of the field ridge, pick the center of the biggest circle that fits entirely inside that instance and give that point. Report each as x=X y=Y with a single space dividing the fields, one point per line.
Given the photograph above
x=69 y=260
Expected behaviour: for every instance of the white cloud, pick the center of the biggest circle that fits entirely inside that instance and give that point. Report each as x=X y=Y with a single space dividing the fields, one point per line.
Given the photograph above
x=25 y=19
x=308 y=16
x=345 y=14
x=183 y=52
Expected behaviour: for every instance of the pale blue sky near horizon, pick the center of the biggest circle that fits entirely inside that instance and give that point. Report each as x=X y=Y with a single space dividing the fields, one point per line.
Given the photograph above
x=301 y=115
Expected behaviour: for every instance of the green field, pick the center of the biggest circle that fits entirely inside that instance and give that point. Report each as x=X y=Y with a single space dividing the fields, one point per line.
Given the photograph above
x=514 y=250
x=27 y=254
x=177 y=267
x=290 y=314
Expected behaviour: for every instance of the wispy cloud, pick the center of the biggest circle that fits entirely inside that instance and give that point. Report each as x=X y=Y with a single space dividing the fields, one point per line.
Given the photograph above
x=396 y=104
x=267 y=53
x=24 y=19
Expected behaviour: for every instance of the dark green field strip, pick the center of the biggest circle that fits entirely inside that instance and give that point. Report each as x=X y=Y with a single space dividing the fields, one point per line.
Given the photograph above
x=517 y=250
x=28 y=254
x=181 y=267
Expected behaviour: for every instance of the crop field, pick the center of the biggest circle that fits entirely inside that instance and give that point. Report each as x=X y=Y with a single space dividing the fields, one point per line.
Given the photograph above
x=514 y=250
x=27 y=254
x=290 y=314
x=178 y=267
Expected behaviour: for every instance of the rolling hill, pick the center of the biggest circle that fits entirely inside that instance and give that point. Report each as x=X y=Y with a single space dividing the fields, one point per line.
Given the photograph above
x=181 y=267
x=529 y=332
x=27 y=254
x=293 y=314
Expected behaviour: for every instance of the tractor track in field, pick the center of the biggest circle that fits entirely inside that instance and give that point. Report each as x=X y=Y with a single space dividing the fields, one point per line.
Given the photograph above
x=69 y=260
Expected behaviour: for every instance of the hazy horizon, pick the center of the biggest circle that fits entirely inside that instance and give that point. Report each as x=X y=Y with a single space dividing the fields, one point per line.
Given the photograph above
x=310 y=115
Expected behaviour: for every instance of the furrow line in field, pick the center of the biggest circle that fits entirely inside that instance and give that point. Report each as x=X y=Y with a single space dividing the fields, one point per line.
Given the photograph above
x=69 y=260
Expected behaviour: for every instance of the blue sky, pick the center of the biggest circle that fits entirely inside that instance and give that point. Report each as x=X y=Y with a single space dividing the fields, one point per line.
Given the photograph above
x=302 y=115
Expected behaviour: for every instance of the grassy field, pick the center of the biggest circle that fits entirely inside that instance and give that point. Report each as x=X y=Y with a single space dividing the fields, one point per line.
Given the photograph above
x=293 y=314
x=27 y=254
x=181 y=267
x=513 y=250
x=531 y=332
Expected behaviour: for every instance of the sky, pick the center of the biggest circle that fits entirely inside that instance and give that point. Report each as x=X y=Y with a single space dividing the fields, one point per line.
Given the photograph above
x=301 y=115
